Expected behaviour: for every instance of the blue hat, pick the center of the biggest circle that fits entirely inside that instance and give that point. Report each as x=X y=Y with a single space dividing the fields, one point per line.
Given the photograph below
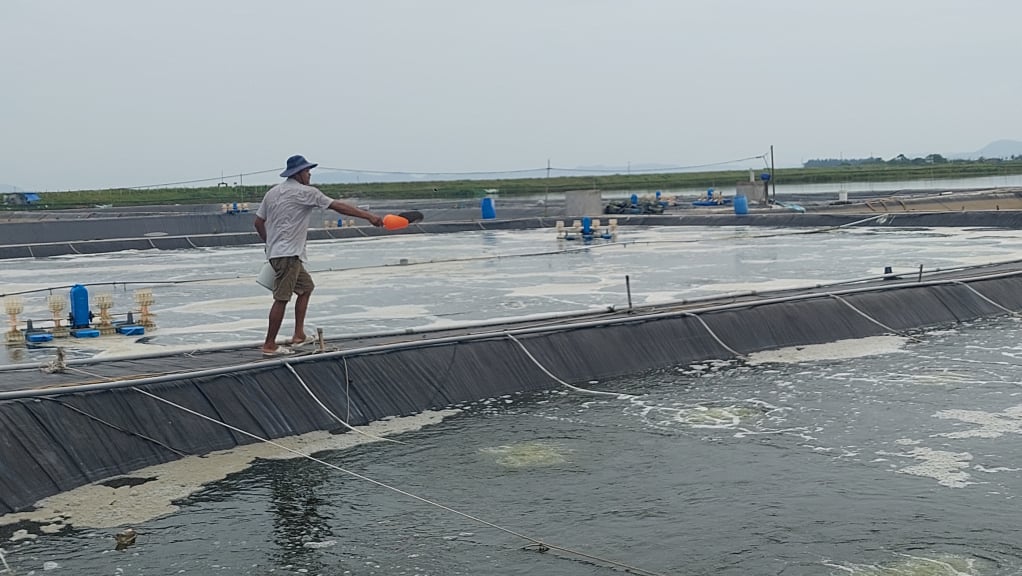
x=296 y=164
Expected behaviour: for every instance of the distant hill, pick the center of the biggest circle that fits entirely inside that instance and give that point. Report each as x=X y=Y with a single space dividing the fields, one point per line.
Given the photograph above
x=995 y=149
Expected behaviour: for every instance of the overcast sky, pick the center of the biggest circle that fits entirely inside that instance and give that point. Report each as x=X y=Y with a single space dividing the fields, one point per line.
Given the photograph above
x=112 y=93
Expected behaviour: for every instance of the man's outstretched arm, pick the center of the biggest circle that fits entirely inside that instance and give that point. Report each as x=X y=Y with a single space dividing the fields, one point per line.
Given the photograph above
x=349 y=210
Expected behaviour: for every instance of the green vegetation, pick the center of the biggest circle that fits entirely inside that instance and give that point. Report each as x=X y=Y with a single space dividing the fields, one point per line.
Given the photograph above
x=899 y=160
x=457 y=189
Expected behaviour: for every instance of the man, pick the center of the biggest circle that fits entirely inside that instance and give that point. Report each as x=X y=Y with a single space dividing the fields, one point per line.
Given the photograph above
x=282 y=222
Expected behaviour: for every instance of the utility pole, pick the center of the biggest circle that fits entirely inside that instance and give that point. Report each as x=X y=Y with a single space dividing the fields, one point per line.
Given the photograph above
x=773 y=176
x=546 y=200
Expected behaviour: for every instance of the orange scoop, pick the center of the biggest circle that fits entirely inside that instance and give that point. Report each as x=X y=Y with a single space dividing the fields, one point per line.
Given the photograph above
x=394 y=222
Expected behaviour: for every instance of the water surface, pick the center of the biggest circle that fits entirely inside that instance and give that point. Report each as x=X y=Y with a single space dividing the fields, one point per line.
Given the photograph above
x=904 y=461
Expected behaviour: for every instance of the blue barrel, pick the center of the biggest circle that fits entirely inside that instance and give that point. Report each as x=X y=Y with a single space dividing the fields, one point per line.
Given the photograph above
x=489 y=211
x=79 y=306
x=741 y=205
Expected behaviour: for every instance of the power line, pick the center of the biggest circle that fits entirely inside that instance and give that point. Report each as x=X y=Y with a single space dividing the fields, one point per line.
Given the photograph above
x=543 y=170
x=197 y=181
x=419 y=173
x=661 y=169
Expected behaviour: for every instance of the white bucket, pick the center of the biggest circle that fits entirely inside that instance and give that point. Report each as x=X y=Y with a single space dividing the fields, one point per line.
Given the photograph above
x=266 y=276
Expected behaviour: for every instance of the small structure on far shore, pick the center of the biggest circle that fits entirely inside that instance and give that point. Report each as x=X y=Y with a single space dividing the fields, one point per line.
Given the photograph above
x=21 y=198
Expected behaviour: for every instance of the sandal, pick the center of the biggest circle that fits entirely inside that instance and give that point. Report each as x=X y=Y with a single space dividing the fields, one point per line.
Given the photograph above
x=280 y=351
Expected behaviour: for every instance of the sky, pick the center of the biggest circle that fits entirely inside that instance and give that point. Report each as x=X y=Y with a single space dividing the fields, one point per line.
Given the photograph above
x=123 y=93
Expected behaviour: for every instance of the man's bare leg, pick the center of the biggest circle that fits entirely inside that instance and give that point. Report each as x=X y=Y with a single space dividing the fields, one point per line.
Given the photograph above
x=301 y=306
x=276 y=319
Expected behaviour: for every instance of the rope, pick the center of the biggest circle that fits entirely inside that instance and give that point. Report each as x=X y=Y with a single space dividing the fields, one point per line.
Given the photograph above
x=116 y=427
x=558 y=380
x=1008 y=310
x=347 y=388
x=332 y=415
x=863 y=221
x=537 y=543
x=871 y=319
x=818 y=230
x=719 y=341
x=58 y=365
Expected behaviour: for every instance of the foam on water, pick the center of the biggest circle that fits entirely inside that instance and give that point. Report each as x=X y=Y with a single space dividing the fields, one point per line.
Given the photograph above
x=222 y=305
x=947 y=468
x=550 y=290
x=527 y=454
x=768 y=466
x=839 y=350
x=988 y=425
x=447 y=277
x=758 y=286
x=916 y=565
x=101 y=506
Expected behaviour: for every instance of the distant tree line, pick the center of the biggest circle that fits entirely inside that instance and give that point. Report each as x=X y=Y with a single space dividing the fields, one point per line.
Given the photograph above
x=899 y=160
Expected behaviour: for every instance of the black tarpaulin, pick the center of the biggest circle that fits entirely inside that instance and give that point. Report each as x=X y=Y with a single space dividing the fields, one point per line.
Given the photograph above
x=64 y=438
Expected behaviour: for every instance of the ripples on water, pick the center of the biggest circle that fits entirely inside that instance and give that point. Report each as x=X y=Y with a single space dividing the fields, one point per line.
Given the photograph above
x=905 y=462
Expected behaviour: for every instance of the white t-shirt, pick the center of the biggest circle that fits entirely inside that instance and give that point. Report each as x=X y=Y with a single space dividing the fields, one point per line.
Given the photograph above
x=286 y=209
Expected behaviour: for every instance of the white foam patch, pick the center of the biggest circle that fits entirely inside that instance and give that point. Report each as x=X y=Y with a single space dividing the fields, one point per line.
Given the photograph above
x=9 y=287
x=765 y=285
x=221 y=305
x=996 y=469
x=940 y=378
x=387 y=312
x=527 y=454
x=99 y=506
x=257 y=325
x=839 y=350
x=989 y=424
x=913 y=565
x=556 y=289
x=699 y=415
x=661 y=297
x=320 y=545
x=947 y=468
x=488 y=318
x=369 y=276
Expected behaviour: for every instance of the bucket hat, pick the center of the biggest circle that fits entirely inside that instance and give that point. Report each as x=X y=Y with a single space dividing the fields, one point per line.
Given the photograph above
x=296 y=164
